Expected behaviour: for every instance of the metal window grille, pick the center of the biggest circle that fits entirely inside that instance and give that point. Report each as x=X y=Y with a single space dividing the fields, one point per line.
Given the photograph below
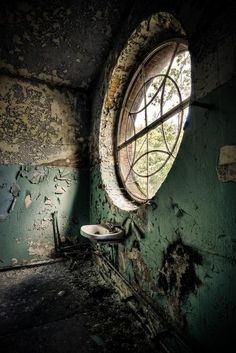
x=151 y=122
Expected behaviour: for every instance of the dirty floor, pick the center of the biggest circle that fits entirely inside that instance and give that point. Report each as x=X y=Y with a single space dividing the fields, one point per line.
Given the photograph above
x=65 y=307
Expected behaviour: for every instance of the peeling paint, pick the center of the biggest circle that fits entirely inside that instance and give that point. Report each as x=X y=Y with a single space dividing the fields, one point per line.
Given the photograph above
x=47 y=201
x=142 y=275
x=43 y=124
x=26 y=219
x=184 y=262
x=46 y=42
x=177 y=277
x=201 y=213
x=152 y=321
x=35 y=175
x=15 y=190
x=59 y=189
x=28 y=201
x=14 y=261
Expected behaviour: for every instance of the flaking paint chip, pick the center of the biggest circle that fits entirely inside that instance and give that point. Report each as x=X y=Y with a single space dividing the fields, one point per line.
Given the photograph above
x=28 y=201
x=59 y=189
x=14 y=261
x=47 y=201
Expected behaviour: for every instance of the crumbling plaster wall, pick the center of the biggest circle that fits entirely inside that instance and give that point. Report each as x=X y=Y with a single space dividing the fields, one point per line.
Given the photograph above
x=44 y=130
x=50 y=53
x=180 y=248
x=30 y=197
x=43 y=171
x=40 y=125
x=59 y=42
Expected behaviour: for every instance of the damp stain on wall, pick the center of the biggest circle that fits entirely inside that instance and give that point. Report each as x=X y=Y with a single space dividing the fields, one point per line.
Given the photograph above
x=177 y=275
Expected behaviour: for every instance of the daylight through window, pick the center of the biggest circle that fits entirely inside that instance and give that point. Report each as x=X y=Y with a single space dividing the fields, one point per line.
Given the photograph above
x=151 y=122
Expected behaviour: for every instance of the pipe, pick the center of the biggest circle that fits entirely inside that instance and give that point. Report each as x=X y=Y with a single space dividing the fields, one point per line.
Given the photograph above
x=32 y=264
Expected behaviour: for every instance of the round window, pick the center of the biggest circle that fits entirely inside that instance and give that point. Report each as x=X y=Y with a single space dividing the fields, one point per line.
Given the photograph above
x=150 y=127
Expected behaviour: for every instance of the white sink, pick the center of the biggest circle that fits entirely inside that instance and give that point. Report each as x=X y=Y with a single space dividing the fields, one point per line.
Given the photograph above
x=99 y=232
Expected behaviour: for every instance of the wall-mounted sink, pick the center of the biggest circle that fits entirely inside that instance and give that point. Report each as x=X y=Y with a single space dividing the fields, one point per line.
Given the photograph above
x=100 y=232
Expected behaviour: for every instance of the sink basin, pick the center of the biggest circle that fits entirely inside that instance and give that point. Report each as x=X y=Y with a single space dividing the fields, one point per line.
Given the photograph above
x=99 y=232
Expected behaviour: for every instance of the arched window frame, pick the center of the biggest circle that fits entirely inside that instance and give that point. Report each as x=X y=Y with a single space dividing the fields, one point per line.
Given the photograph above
x=119 y=69
x=127 y=143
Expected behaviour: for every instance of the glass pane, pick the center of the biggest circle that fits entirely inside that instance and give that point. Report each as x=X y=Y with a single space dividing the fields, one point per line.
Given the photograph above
x=161 y=84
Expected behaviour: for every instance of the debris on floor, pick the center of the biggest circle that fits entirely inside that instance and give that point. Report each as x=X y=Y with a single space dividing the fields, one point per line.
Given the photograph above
x=66 y=307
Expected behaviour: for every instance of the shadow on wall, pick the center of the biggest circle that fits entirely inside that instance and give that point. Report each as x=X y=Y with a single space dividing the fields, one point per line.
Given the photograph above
x=183 y=259
x=29 y=198
x=44 y=168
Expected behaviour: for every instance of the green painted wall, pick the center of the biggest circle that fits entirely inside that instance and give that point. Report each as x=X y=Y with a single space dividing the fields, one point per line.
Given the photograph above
x=180 y=249
x=26 y=219
x=43 y=168
x=192 y=208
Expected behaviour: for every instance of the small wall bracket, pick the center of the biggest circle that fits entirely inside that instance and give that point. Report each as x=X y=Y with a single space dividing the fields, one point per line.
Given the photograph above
x=203 y=105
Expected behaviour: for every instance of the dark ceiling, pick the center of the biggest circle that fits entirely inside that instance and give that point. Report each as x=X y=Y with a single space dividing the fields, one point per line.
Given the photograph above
x=62 y=42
